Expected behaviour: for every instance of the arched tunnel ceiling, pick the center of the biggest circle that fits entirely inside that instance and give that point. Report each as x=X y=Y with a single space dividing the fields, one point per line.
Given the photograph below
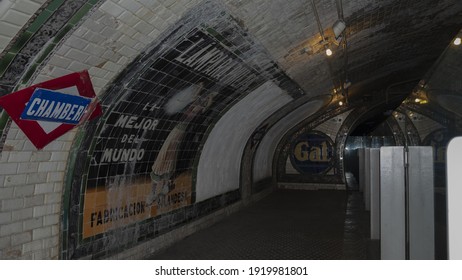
x=386 y=39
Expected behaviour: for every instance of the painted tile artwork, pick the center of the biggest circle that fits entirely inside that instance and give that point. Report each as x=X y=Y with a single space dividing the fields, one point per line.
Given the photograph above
x=137 y=163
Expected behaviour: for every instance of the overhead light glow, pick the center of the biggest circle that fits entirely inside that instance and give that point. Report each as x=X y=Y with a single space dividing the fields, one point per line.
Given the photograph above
x=457 y=41
x=421 y=101
x=340 y=103
x=328 y=52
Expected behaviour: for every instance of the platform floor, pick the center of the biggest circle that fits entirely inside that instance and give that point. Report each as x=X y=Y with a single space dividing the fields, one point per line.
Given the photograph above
x=287 y=224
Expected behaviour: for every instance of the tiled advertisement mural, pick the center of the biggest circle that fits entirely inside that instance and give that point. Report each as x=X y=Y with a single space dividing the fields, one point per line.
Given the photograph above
x=149 y=141
x=133 y=173
x=310 y=153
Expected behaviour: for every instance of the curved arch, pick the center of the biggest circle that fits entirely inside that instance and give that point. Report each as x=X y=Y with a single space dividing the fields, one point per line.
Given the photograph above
x=353 y=120
x=282 y=150
x=263 y=158
x=219 y=167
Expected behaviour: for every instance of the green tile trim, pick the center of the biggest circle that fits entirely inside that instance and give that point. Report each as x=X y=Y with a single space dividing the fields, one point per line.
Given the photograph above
x=45 y=53
x=54 y=5
x=62 y=33
x=34 y=66
x=35 y=26
x=29 y=73
x=39 y=21
x=5 y=62
x=3 y=120
x=80 y=14
x=21 y=42
x=68 y=182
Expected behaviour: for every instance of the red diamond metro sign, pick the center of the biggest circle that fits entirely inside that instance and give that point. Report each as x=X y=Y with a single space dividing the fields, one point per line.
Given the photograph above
x=48 y=110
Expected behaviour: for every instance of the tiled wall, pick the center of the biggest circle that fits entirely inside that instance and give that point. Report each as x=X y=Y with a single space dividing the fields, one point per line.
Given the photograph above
x=31 y=192
x=112 y=36
x=63 y=37
x=14 y=15
x=31 y=180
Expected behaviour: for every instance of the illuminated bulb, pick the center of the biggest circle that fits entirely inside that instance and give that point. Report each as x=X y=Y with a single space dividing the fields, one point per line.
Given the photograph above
x=328 y=52
x=411 y=114
x=457 y=41
x=417 y=100
x=340 y=103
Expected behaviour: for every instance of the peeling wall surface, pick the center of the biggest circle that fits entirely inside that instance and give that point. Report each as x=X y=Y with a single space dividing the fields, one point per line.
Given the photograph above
x=205 y=102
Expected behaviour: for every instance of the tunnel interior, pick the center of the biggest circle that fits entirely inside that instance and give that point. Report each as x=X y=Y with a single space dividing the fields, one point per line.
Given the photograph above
x=211 y=107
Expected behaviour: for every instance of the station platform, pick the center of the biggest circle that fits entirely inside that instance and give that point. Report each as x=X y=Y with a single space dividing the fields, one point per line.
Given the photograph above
x=287 y=224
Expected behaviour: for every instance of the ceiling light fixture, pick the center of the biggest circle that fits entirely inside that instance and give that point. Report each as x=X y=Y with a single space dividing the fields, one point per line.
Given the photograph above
x=457 y=41
x=329 y=52
x=338 y=28
x=340 y=103
x=417 y=100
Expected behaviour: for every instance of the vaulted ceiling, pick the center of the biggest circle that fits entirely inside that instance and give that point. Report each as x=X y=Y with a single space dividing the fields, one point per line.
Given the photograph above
x=388 y=41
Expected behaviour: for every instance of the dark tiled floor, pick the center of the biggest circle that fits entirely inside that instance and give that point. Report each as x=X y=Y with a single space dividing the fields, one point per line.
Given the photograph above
x=285 y=225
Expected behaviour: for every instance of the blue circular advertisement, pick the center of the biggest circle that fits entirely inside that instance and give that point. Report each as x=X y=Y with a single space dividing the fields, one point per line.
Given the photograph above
x=312 y=153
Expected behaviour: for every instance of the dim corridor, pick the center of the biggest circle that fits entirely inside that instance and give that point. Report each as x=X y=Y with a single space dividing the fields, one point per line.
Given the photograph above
x=288 y=224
